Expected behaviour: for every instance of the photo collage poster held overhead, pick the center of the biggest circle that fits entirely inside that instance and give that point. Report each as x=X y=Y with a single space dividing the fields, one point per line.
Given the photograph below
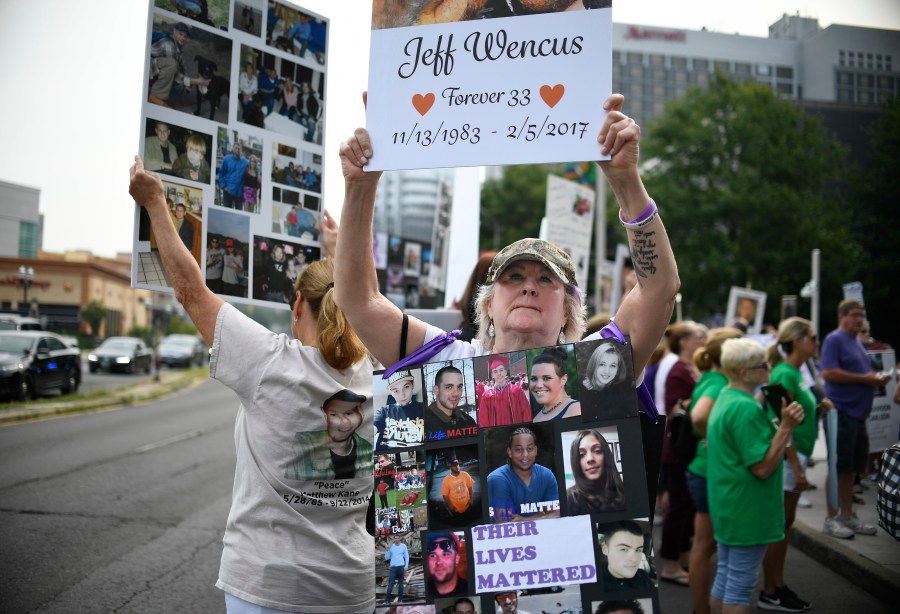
x=233 y=119
x=515 y=480
x=487 y=83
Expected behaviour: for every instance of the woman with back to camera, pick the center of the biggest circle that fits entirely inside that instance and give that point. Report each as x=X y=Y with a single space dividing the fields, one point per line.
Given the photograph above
x=547 y=383
x=710 y=384
x=598 y=485
x=605 y=367
x=684 y=339
x=281 y=550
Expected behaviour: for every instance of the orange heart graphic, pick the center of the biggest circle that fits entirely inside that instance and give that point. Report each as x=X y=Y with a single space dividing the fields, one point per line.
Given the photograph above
x=423 y=103
x=552 y=95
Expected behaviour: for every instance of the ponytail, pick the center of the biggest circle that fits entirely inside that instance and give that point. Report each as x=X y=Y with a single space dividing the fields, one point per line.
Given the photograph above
x=335 y=338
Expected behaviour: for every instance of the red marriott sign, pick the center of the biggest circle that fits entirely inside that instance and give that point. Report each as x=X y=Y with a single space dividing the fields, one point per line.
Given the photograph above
x=671 y=36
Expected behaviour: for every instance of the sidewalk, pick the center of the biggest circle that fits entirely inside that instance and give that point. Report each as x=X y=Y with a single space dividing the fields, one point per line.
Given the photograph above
x=870 y=561
x=133 y=393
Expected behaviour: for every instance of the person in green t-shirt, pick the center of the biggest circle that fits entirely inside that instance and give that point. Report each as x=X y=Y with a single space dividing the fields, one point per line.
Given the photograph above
x=796 y=343
x=744 y=474
x=707 y=360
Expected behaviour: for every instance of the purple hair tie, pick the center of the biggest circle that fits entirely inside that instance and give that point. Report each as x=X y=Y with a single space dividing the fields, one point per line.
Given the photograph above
x=424 y=353
x=612 y=331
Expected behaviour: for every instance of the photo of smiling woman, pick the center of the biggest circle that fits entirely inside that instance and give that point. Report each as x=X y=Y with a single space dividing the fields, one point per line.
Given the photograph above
x=337 y=452
x=547 y=384
x=606 y=379
x=598 y=482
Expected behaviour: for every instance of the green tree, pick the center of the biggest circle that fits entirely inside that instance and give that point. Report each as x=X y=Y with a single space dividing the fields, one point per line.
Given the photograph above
x=179 y=326
x=93 y=314
x=874 y=190
x=744 y=182
x=142 y=332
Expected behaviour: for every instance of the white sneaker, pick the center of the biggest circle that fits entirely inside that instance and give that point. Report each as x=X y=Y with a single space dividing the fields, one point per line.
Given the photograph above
x=857 y=526
x=835 y=528
x=804 y=502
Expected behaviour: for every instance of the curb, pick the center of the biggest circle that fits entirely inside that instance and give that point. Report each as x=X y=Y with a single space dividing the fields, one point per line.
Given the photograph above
x=843 y=560
x=130 y=396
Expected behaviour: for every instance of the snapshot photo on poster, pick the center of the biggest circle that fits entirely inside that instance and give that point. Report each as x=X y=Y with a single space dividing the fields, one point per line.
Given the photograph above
x=398 y=561
x=190 y=68
x=454 y=486
x=451 y=410
x=593 y=470
x=501 y=388
x=522 y=484
x=399 y=411
x=626 y=556
x=277 y=264
x=553 y=383
x=446 y=571
x=171 y=149
x=605 y=385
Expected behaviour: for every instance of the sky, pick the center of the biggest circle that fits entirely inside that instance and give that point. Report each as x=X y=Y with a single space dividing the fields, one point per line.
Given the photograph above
x=72 y=86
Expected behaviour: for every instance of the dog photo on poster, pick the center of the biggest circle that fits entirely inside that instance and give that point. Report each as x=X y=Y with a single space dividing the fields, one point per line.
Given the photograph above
x=530 y=500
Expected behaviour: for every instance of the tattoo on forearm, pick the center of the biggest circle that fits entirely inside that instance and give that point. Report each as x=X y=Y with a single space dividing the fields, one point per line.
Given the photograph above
x=643 y=253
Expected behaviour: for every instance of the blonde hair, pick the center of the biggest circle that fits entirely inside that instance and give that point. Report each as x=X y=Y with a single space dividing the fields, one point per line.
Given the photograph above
x=710 y=355
x=196 y=142
x=740 y=354
x=574 y=307
x=336 y=340
x=790 y=331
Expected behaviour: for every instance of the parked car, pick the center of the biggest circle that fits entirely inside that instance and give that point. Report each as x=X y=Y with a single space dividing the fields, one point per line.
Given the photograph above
x=36 y=362
x=128 y=354
x=69 y=340
x=11 y=321
x=182 y=351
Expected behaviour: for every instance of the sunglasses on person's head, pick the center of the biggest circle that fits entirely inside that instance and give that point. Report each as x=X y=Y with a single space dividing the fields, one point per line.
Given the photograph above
x=506 y=598
x=762 y=365
x=444 y=544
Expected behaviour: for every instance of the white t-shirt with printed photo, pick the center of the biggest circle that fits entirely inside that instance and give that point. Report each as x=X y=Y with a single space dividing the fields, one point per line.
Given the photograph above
x=292 y=544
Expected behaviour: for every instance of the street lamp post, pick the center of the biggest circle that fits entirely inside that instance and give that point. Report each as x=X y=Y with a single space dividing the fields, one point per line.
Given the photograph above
x=26 y=277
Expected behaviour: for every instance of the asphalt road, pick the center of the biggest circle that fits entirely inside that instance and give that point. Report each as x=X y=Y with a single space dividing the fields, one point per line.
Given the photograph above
x=119 y=511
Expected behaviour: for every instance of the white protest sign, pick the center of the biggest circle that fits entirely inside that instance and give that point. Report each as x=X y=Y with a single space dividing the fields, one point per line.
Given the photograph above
x=507 y=90
x=570 y=222
x=528 y=554
x=884 y=420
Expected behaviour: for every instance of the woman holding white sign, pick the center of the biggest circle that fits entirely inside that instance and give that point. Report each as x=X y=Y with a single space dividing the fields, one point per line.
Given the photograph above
x=531 y=297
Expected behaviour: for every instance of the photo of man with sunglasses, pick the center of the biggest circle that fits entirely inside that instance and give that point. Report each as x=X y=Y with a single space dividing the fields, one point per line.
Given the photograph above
x=442 y=550
x=509 y=603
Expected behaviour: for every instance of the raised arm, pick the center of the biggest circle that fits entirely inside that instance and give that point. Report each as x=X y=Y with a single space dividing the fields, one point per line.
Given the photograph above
x=375 y=319
x=187 y=280
x=645 y=311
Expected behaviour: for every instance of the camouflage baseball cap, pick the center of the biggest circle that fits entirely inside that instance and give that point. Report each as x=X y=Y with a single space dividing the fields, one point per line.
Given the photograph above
x=534 y=249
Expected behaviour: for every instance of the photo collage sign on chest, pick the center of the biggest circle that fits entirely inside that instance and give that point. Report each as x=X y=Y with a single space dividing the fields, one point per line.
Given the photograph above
x=516 y=481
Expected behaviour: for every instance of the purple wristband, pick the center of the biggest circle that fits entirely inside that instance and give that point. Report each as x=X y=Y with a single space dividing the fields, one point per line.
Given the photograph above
x=645 y=214
x=644 y=219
